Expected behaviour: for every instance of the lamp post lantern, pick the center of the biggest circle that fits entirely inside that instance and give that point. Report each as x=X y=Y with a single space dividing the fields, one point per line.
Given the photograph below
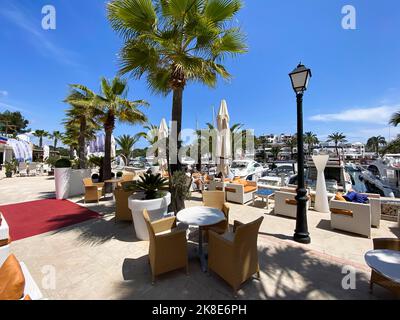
x=300 y=78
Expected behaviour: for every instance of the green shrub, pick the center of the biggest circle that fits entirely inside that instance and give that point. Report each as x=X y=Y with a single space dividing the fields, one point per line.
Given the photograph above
x=63 y=163
x=153 y=186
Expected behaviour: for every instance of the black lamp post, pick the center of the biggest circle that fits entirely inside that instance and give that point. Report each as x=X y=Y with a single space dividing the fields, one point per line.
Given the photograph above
x=300 y=77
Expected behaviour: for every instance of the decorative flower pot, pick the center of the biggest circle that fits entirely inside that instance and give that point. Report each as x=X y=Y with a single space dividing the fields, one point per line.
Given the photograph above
x=76 y=187
x=62 y=177
x=156 y=209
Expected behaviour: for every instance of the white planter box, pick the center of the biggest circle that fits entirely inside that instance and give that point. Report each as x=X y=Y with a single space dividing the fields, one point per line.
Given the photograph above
x=156 y=208
x=61 y=178
x=76 y=187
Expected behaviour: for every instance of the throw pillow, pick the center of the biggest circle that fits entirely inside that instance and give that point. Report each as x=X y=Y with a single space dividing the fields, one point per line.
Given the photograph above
x=12 y=280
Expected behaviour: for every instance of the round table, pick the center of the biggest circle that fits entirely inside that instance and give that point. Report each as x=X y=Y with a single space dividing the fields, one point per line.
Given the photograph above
x=385 y=262
x=201 y=217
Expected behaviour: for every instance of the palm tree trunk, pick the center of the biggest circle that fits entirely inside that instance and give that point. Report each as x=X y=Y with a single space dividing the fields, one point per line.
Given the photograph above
x=82 y=144
x=40 y=142
x=198 y=166
x=177 y=118
x=108 y=129
x=71 y=152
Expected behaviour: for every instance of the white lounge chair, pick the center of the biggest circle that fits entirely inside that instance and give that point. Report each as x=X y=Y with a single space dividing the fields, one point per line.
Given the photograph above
x=286 y=204
x=22 y=169
x=32 y=168
x=351 y=217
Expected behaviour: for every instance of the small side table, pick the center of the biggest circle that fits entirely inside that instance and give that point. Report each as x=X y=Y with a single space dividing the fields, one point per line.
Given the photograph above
x=263 y=194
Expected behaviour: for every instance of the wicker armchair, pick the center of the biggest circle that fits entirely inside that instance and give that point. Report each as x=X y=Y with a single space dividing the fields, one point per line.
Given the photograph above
x=376 y=278
x=122 y=211
x=93 y=191
x=234 y=256
x=168 y=246
x=216 y=199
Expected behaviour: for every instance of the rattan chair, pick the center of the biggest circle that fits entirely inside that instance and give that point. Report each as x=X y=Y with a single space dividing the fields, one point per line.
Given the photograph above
x=216 y=199
x=234 y=256
x=121 y=195
x=376 y=278
x=168 y=246
x=93 y=191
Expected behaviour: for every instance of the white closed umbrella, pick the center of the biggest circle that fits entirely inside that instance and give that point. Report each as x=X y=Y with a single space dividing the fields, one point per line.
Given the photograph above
x=162 y=135
x=321 y=194
x=223 y=146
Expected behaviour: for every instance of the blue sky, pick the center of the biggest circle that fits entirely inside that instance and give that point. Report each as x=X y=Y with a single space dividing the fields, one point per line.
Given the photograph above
x=354 y=89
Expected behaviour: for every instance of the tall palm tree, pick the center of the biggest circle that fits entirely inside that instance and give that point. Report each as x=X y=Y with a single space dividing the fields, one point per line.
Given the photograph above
x=310 y=139
x=56 y=136
x=126 y=142
x=395 y=119
x=112 y=105
x=337 y=138
x=374 y=143
x=237 y=138
x=275 y=150
x=173 y=43
x=291 y=143
x=81 y=114
x=40 y=134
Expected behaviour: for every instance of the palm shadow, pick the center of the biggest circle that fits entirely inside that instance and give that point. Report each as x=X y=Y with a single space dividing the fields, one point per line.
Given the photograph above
x=287 y=272
x=100 y=229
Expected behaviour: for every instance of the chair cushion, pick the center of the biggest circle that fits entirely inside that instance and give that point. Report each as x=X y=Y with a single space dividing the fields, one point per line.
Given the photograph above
x=248 y=189
x=291 y=202
x=12 y=280
x=353 y=196
x=339 y=197
x=342 y=212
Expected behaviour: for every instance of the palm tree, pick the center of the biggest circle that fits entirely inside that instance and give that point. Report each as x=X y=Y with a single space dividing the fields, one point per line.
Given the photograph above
x=150 y=133
x=374 y=143
x=112 y=105
x=337 y=138
x=41 y=134
x=275 y=150
x=56 y=136
x=395 y=119
x=291 y=143
x=70 y=138
x=310 y=139
x=173 y=43
x=81 y=115
x=126 y=143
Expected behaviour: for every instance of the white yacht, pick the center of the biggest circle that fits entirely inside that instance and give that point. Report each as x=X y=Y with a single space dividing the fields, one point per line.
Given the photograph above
x=247 y=169
x=383 y=175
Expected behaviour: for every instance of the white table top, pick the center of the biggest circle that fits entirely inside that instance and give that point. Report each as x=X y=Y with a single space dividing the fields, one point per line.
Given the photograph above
x=200 y=216
x=4 y=229
x=385 y=262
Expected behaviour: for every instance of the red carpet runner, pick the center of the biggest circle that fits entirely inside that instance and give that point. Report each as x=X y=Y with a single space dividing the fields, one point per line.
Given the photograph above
x=32 y=218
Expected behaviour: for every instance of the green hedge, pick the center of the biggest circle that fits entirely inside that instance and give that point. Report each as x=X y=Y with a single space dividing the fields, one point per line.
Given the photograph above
x=63 y=163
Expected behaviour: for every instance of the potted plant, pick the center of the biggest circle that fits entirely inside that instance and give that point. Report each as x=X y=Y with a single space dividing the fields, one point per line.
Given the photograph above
x=9 y=167
x=151 y=194
x=51 y=161
x=62 y=173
